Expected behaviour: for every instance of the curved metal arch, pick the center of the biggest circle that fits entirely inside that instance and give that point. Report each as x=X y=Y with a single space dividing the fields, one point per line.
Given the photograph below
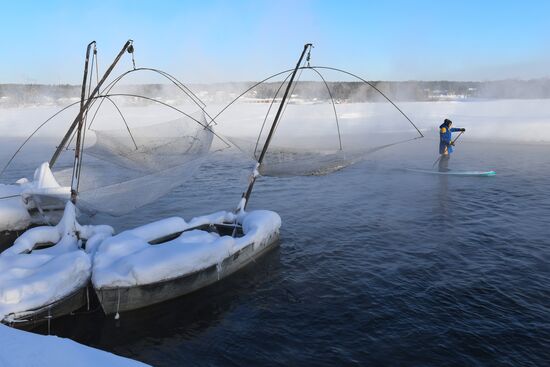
x=333 y=107
x=101 y=97
x=277 y=93
x=166 y=75
x=207 y=127
x=375 y=88
x=326 y=68
x=123 y=119
x=268 y=111
x=34 y=132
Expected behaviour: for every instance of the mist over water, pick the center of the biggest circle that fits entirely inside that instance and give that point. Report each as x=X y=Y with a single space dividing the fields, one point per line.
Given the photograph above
x=377 y=265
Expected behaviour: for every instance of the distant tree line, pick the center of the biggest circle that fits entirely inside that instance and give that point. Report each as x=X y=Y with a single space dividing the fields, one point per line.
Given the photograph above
x=416 y=90
x=23 y=94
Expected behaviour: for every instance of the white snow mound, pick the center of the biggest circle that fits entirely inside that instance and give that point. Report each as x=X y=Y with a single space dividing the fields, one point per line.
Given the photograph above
x=17 y=199
x=31 y=278
x=26 y=349
x=128 y=259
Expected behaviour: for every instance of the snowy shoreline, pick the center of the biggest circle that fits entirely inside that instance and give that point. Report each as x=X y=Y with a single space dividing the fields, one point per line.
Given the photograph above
x=28 y=349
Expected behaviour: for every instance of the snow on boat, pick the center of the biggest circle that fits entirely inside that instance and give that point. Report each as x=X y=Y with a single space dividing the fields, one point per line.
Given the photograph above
x=46 y=272
x=23 y=204
x=170 y=258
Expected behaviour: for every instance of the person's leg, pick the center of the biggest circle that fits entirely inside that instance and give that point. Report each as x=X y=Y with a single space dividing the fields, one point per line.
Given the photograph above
x=444 y=162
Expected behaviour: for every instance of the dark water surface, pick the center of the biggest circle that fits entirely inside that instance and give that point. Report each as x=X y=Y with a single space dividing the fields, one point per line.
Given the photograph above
x=377 y=266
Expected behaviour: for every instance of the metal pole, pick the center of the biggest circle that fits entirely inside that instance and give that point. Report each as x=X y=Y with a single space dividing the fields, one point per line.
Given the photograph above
x=87 y=104
x=74 y=180
x=246 y=194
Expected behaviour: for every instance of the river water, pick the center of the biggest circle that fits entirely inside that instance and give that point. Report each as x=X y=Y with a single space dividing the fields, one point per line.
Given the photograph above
x=377 y=265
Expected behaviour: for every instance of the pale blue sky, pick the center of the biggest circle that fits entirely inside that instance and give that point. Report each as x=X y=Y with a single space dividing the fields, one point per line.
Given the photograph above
x=210 y=41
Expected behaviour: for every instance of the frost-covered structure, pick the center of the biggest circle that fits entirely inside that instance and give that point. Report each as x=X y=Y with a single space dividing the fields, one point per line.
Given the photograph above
x=171 y=257
x=18 y=201
x=142 y=163
x=46 y=270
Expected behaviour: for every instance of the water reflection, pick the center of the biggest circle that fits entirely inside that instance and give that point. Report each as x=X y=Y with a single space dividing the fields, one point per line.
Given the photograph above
x=183 y=318
x=444 y=163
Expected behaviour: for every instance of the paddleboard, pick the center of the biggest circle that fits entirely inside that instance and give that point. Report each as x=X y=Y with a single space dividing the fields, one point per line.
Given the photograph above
x=456 y=173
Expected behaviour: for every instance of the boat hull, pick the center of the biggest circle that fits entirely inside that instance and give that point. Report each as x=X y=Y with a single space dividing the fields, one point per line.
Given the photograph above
x=122 y=299
x=35 y=317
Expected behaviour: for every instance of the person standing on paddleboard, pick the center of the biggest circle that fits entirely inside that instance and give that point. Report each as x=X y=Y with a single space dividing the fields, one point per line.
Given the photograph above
x=445 y=143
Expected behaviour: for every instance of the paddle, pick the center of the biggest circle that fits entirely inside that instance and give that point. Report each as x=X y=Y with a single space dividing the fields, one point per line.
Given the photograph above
x=452 y=143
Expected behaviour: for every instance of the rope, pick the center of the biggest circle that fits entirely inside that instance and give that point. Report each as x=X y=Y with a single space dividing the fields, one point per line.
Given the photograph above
x=96 y=66
x=133 y=60
x=9 y=197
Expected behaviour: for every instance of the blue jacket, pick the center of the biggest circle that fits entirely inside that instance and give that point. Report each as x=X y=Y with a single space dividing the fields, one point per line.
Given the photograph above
x=445 y=138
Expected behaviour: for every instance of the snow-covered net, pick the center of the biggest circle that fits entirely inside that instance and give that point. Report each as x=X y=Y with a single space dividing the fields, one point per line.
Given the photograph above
x=128 y=168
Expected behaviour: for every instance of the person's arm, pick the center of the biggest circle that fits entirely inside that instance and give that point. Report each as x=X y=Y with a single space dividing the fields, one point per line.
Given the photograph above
x=455 y=129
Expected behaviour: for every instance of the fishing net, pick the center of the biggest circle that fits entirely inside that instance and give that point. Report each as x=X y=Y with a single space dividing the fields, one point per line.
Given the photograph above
x=325 y=125
x=127 y=168
x=316 y=136
x=284 y=161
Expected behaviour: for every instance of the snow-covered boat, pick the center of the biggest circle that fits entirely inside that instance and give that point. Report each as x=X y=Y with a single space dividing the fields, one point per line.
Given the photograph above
x=46 y=272
x=171 y=257
x=28 y=203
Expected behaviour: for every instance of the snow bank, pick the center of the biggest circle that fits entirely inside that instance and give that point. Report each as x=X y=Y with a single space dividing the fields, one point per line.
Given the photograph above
x=17 y=199
x=31 y=278
x=27 y=349
x=128 y=259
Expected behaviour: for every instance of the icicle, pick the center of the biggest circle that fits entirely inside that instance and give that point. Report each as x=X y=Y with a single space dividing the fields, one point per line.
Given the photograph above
x=49 y=317
x=241 y=206
x=219 y=269
x=117 y=316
